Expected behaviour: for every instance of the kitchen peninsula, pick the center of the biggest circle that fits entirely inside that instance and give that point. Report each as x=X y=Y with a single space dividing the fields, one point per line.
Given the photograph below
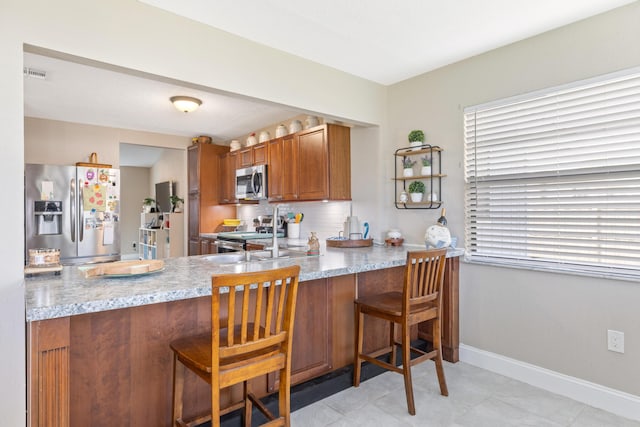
x=102 y=343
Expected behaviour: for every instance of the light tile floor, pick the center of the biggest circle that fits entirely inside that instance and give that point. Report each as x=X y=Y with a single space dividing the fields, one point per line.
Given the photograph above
x=476 y=398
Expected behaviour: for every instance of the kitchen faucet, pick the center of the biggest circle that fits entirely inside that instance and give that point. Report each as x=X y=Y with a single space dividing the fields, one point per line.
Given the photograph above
x=275 y=251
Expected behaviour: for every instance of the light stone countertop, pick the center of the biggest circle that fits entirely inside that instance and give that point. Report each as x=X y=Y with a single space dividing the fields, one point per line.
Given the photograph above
x=49 y=296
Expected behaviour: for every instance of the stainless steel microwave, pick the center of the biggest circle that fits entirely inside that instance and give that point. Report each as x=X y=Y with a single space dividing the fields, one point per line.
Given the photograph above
x=251 y=183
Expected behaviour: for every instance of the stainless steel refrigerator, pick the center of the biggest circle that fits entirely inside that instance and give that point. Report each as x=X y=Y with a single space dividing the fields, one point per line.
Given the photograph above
x=74 y=209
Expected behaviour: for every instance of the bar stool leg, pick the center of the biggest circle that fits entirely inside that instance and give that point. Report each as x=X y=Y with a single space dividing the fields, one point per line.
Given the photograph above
x=178 y=389
x=406 y=367
x=359 y=320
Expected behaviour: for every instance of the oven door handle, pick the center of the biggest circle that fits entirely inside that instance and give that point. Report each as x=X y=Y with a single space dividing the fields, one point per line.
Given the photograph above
x=233 y=246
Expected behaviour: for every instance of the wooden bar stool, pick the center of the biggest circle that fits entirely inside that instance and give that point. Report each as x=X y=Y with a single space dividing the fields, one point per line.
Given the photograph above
x=251 y=334
x=419 y=301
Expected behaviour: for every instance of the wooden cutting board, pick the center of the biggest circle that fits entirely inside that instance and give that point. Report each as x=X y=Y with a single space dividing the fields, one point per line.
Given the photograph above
x=119 y=268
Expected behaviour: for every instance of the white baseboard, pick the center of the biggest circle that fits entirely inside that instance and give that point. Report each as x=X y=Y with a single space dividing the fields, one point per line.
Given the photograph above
x=611 y=400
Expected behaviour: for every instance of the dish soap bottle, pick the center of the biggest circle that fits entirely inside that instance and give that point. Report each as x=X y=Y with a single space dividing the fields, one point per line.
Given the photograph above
x=313 y=245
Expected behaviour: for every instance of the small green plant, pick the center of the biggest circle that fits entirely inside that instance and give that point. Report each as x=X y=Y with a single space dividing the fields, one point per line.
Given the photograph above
x=425 y=161
x=416 y=136
x=175 y=200
x=407 y=163
x=149 y=201
x=416 y=187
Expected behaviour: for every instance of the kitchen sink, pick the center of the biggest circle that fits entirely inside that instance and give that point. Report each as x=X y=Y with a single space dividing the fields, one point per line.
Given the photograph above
x=282 y=253
x=227 y=258
x=264 y=255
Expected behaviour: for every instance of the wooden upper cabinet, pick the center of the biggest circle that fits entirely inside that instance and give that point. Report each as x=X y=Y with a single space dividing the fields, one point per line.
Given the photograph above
x=282 y=170
x=253 y=156
x=275 y=170
x=314 y=164
x=324 y=163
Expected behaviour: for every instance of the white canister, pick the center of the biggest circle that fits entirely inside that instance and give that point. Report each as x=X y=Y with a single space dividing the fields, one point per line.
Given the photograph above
x=295 y=126
x=235 y=145
x=252 y=140
x=311 y=121
x=281 y=130
x=394 y=233
x=264 y=136
x=293 y=230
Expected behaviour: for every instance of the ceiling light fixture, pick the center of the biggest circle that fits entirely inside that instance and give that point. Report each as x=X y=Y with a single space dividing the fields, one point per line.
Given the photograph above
x=186 y=104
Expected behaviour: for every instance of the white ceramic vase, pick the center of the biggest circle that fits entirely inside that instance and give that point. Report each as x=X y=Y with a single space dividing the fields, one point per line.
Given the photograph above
x=425 y=171
x=311 y=121
x=295 y=126
x=281 y=130
x=407 y=172
x=264 y=136
x=252 y=140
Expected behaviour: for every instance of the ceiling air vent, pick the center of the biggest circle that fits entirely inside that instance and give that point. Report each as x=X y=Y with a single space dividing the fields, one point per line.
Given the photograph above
x=36 y=74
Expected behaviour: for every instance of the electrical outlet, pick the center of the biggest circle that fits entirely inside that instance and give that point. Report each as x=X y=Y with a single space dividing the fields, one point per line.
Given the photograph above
x=615 y=341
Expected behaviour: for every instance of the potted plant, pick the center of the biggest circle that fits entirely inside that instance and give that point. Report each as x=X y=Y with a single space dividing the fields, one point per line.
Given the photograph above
x=148 y=204
x=407 y=165
x=176 y=203
x=416 y=138
x=416 y=189
x=426 y=166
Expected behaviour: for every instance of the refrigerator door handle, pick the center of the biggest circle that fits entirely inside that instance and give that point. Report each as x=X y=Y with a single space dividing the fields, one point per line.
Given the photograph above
x=72 y=204
x=81 y=212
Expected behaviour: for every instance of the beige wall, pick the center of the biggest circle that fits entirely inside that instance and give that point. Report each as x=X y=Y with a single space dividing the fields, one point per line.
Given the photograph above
x=172 y=166
x=555 y=321
x=131 y=197
x=133 y=35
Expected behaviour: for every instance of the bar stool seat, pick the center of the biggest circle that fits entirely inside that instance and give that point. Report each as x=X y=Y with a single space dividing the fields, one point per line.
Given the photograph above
x=251 y=335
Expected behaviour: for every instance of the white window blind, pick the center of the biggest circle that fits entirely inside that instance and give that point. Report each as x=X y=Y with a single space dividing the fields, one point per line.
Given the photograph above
x=553 y=179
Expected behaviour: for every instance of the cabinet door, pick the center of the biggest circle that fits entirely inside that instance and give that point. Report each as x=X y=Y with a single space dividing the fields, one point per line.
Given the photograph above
x=193 y=164
x=245 y=157
x=194 y=216
x=205 y=246
x=275 y=170
x=260 y=154
x=194 y=247
x=290 y=168
x=313 y=165
x=227 y=178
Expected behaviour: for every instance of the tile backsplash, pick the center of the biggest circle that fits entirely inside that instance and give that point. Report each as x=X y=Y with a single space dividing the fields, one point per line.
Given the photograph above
x=325 y=218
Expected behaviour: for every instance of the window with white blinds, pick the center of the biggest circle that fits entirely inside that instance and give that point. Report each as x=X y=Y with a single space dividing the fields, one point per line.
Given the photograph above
x=553 y=179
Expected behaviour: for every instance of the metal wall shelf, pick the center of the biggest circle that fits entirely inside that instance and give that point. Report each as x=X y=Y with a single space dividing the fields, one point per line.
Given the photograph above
x=432 y=198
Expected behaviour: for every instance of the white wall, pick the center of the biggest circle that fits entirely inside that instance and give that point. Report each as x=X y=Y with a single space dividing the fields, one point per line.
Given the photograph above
x=129 y=34
x=555 y=321
x=172 y=166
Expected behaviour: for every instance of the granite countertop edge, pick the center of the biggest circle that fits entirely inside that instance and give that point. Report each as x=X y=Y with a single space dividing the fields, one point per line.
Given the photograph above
x=68 y=294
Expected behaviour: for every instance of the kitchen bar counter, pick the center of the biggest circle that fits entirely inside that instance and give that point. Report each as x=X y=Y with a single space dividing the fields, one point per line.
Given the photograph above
x=98 y=348
x=52 y=296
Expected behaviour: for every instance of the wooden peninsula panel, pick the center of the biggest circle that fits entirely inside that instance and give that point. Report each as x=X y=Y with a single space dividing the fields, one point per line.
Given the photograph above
x=49 y=367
